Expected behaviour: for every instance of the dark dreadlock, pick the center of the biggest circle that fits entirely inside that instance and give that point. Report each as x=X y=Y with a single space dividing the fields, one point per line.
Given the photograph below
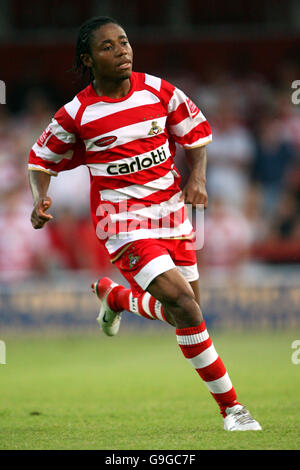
x=83 y=43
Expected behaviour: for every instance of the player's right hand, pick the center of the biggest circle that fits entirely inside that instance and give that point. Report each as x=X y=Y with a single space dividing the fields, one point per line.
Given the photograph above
x=38 y=215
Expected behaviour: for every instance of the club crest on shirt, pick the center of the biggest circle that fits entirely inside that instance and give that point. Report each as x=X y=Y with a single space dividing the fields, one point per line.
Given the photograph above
x=155 y=129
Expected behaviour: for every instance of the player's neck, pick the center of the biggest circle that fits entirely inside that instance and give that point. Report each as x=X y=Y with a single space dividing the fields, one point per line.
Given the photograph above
x=112 y=89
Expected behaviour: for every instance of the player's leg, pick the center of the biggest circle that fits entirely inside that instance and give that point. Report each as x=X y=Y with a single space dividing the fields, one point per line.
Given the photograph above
x=179 y=299
x=196 y=289
x=178 y=302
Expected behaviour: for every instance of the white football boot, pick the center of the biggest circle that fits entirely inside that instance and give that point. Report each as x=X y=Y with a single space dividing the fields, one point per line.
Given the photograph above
x=239 y=419
x=109 y=320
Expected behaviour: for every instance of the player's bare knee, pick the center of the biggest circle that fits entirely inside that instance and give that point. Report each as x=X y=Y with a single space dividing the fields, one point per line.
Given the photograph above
x=182 y=300
x=185 y=311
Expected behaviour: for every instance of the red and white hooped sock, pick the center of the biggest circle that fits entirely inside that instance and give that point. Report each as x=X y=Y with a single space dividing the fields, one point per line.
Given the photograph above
x=197 y=347
x=144 y=305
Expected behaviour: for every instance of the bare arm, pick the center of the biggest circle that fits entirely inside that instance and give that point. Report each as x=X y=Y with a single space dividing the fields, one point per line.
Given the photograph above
x=39 y=183
x=194 y=191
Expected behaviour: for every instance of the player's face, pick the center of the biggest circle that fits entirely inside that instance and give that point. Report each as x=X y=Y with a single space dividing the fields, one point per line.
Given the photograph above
x=111 y=53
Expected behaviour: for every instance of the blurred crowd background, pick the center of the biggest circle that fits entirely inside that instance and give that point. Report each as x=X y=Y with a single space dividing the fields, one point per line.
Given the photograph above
x=236 y=60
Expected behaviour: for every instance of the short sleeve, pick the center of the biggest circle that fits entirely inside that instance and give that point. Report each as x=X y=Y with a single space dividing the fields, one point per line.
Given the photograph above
x=59 y=147
x=186 y=123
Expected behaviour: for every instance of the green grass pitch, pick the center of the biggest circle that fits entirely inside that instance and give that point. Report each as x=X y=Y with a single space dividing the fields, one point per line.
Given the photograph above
x=136 y=391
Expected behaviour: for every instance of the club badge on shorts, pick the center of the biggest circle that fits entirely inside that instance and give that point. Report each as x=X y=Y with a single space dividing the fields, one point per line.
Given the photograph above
x=132 y=260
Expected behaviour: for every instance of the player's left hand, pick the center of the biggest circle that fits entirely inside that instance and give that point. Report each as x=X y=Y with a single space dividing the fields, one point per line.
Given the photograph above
x=194 y=192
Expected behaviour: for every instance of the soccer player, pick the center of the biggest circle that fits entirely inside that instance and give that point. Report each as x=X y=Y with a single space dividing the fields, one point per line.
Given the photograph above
x=124 y=127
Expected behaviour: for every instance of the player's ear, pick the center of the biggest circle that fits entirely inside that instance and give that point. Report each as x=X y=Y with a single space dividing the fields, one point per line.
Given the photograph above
x=86 y=59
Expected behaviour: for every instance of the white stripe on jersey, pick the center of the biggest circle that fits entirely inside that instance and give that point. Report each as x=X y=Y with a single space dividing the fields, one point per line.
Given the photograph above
x=126 y=134
x=138 y=191
x=72 y=107
x=103 y=109
x=153 y=212
x=177 y=98
x=46 y=154
x=153 y=81
x=100 y=169
x=184 y=127
x=61 y=134
x=116 y=241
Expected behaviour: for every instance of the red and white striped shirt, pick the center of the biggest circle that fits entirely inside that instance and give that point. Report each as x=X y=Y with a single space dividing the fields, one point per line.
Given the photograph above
x=128 y=144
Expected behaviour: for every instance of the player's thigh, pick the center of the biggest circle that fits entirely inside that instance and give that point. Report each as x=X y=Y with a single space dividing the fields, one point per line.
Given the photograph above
x=169 y=286
x=184 y=257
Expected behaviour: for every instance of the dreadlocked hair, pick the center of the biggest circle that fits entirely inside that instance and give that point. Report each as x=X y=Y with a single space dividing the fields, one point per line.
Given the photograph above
x=83 y=44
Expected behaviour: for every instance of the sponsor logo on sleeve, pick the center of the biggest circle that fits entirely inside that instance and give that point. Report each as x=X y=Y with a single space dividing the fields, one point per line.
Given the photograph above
x=194 y=110
x=44 y=137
